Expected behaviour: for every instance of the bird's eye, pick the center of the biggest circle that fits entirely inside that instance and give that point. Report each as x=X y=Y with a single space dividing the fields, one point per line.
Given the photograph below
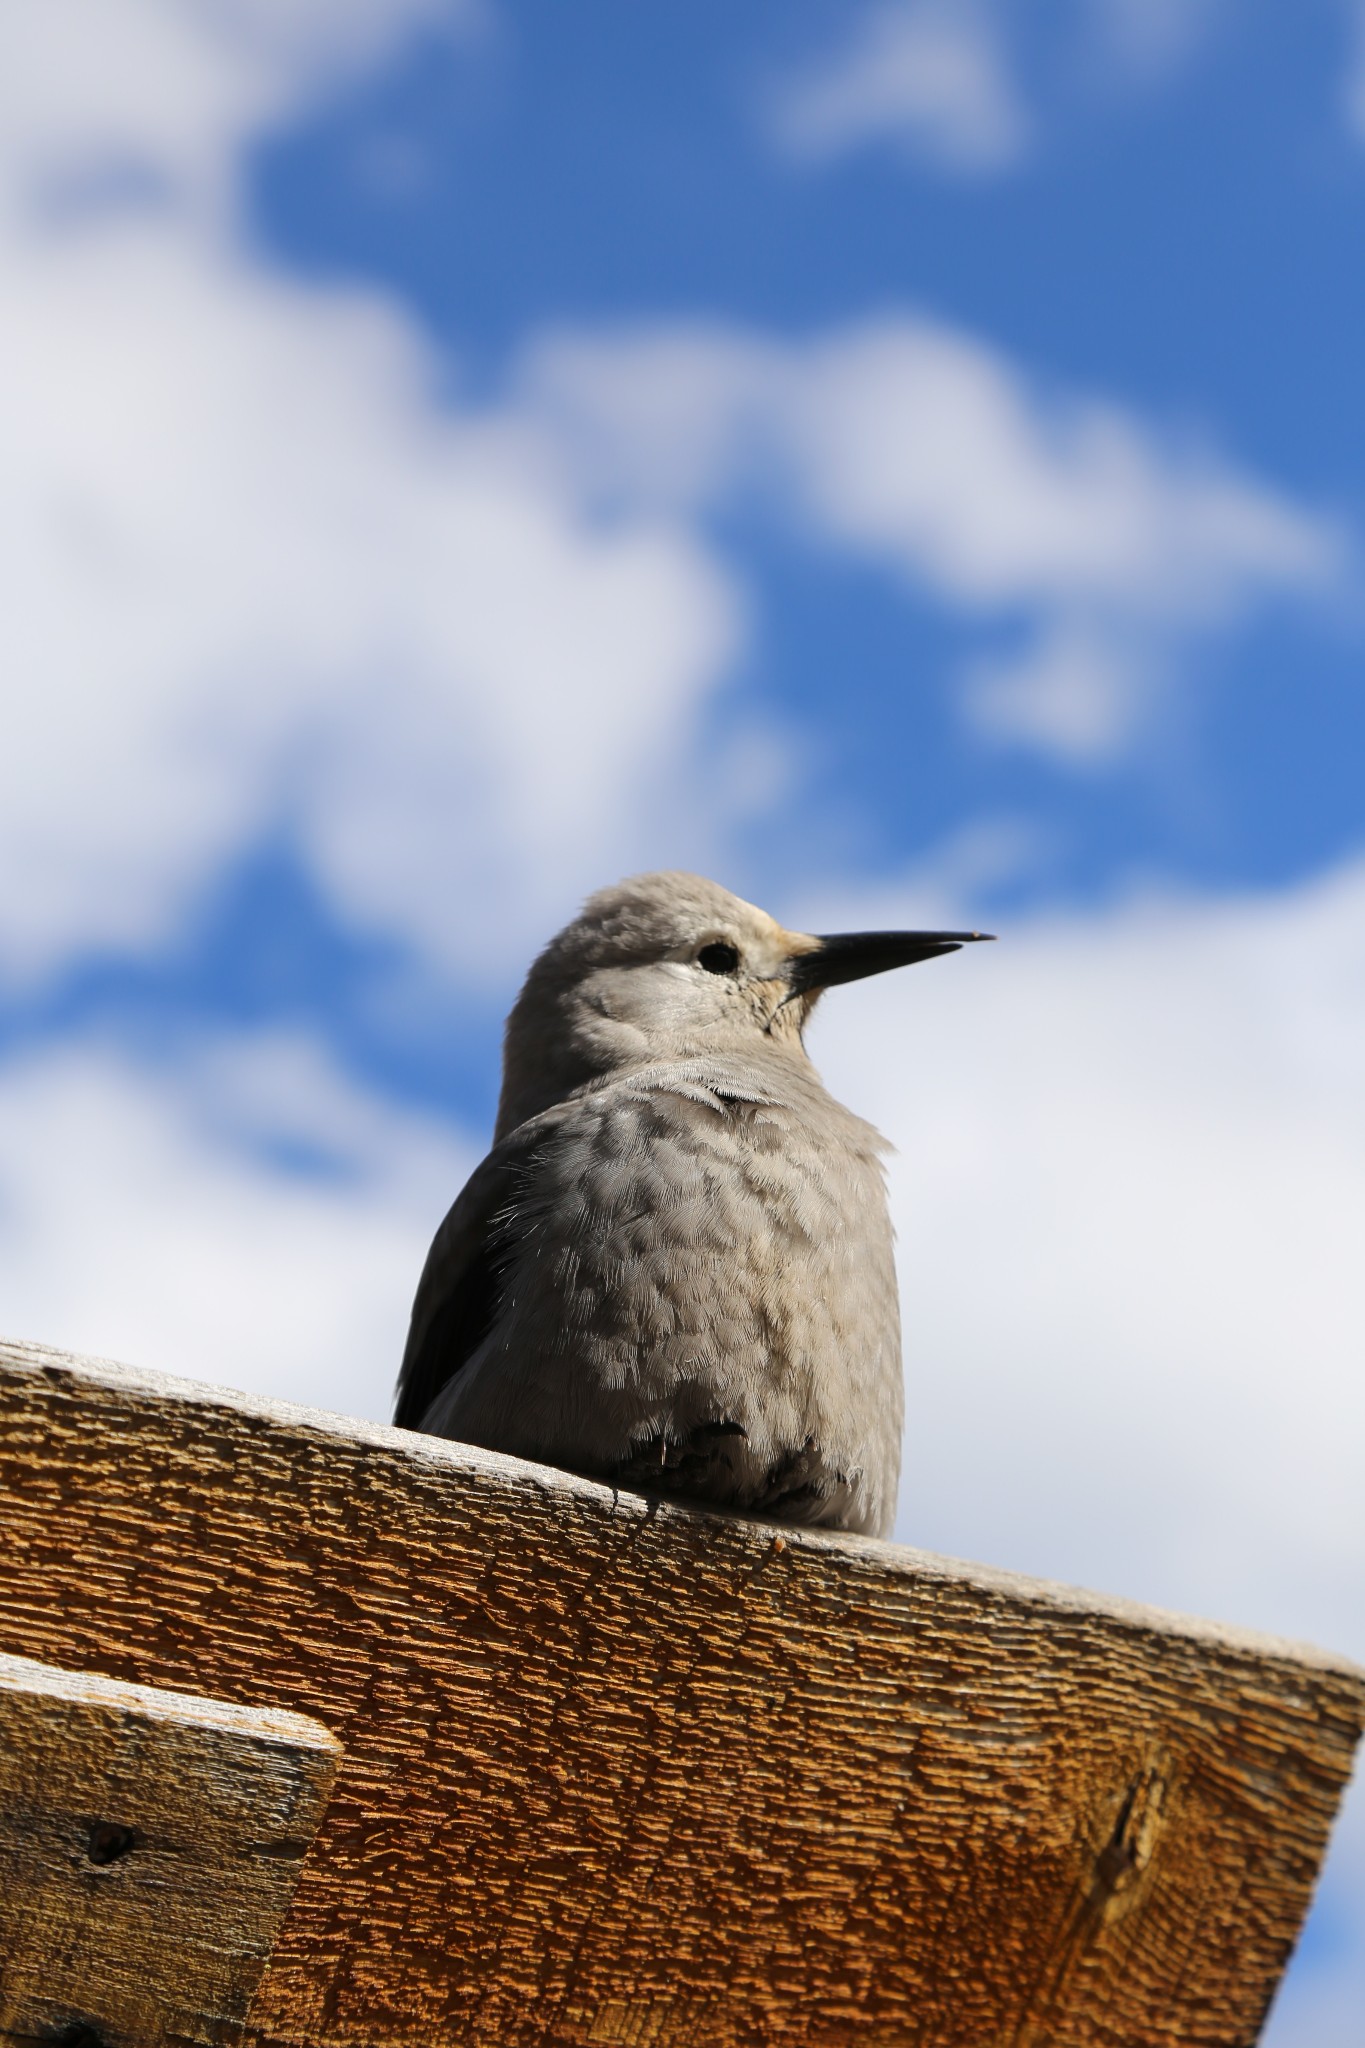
x=718 y=958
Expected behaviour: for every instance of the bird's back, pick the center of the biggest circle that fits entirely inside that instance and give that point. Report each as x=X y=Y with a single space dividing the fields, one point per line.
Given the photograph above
x=680 y=1280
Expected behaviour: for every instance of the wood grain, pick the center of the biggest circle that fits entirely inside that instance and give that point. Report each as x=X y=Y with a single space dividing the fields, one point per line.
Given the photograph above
x=150 y=1843
x=626 y=1774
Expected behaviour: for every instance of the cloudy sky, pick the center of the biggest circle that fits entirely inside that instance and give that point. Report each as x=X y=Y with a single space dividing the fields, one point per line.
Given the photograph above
x=906 y=460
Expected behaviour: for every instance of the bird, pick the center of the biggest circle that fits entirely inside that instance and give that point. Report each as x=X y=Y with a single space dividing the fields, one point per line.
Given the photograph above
x=674 y=1270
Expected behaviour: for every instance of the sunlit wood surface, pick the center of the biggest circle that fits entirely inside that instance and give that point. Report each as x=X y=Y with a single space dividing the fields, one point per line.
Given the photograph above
x=622 y=1773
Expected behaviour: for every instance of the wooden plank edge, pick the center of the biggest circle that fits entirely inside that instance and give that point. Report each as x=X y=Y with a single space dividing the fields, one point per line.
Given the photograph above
x=158 y=1703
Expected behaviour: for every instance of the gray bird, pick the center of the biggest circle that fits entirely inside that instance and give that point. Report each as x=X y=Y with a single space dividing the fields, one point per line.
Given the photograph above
x=674 y=1270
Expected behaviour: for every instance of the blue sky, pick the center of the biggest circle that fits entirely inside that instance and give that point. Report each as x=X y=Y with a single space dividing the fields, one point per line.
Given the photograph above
x=903 y=459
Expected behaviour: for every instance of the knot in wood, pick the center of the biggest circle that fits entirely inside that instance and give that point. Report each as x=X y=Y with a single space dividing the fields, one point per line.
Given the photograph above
x=1136 y=1827
x=109 y=1841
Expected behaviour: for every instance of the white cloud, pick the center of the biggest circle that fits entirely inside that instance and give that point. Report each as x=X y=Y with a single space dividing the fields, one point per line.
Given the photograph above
x=923 y=445
x=153 y=1216
x=1106 y=537
x=259 y=564
x=929 y=77
x=1131 y=1196
x=1072 y=695
x=168 y=90
x=975 y=87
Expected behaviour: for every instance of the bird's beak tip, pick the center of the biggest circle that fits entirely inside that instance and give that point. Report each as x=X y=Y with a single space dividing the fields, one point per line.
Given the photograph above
x=850 y=956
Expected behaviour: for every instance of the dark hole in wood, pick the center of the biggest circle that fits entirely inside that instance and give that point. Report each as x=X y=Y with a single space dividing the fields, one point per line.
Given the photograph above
x=77 y=2034
x=107 y=1841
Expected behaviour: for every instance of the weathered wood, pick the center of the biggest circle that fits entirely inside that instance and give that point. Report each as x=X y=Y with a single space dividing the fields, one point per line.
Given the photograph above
x=625 y=1774
x=150 y=1843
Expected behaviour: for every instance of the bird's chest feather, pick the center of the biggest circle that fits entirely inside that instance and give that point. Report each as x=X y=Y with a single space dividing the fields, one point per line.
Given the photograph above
x=725 y=1221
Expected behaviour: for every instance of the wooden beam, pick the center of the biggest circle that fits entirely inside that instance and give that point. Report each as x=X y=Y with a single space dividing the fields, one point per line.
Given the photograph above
x=150 y=1843
x=621 y=1773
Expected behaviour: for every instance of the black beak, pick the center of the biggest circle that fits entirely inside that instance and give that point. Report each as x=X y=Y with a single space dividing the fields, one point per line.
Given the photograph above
x=849 y=956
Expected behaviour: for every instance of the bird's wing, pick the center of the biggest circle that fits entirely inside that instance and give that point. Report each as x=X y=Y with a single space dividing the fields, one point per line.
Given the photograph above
x=457 y=1296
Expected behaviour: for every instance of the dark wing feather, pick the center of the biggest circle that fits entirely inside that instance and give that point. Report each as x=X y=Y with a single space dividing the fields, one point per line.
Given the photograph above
x=460 y=1289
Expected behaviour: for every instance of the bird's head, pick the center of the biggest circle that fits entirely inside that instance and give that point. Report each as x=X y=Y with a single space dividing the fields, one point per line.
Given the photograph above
x=671 y=966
